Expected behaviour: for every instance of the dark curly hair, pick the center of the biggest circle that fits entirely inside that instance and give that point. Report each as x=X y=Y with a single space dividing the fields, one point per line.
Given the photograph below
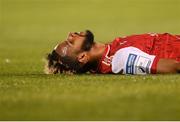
x=65 y=64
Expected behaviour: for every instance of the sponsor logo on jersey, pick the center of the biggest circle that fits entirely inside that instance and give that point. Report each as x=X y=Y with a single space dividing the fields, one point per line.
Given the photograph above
x=142 y=65
x=138 y=64
x=130 y=64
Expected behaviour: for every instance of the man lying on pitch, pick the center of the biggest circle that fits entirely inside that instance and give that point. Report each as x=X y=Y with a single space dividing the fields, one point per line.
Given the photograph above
x=136 y=54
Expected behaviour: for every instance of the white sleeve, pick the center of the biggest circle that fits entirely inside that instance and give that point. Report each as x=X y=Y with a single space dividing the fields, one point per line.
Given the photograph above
x=131 y=60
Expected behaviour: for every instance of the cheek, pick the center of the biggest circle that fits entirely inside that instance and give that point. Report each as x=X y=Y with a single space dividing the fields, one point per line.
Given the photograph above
x=78 y=44
x=78 y=47
x=71 y=52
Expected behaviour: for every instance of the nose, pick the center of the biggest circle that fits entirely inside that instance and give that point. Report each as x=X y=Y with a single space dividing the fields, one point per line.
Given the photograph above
x=72 y=34
x=71 y=37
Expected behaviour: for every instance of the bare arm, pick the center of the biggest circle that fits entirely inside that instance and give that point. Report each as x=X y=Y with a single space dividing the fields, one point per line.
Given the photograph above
x=168 y=66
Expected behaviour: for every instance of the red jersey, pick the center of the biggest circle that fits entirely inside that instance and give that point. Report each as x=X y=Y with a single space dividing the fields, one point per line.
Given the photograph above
x=159 y=45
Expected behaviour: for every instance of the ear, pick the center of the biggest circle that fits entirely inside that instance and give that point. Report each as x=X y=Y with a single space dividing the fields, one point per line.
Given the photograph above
x=83 y=57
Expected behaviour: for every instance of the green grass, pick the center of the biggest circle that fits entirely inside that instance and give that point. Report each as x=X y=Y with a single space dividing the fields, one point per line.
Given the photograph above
x=31 y=28
x=89 y=97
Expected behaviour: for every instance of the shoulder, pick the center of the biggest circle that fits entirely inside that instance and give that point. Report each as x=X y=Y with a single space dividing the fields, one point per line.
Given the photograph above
x=131 y=60
x=120 y=58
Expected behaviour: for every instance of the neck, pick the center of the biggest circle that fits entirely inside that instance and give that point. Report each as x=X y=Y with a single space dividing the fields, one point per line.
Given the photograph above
x=96 y=53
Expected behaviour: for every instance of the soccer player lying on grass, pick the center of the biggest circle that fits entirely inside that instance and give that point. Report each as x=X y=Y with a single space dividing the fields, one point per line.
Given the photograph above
x=135 y=54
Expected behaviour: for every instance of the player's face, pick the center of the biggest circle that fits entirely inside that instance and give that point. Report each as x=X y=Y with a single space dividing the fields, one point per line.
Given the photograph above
x=75 y=41
x=72 y=45
x=69 y=50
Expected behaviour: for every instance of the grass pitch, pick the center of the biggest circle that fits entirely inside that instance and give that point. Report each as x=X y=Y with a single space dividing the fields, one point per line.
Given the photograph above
x=31 y=28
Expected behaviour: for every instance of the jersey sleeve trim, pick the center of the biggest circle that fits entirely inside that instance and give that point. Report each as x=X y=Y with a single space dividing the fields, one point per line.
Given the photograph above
x=154 y=65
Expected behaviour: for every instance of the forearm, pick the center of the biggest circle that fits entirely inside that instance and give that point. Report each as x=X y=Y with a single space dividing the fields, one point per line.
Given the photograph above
x=168 y=66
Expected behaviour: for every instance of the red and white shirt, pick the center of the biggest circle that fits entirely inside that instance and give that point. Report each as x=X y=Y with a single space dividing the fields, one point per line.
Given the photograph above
x=139 y=54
